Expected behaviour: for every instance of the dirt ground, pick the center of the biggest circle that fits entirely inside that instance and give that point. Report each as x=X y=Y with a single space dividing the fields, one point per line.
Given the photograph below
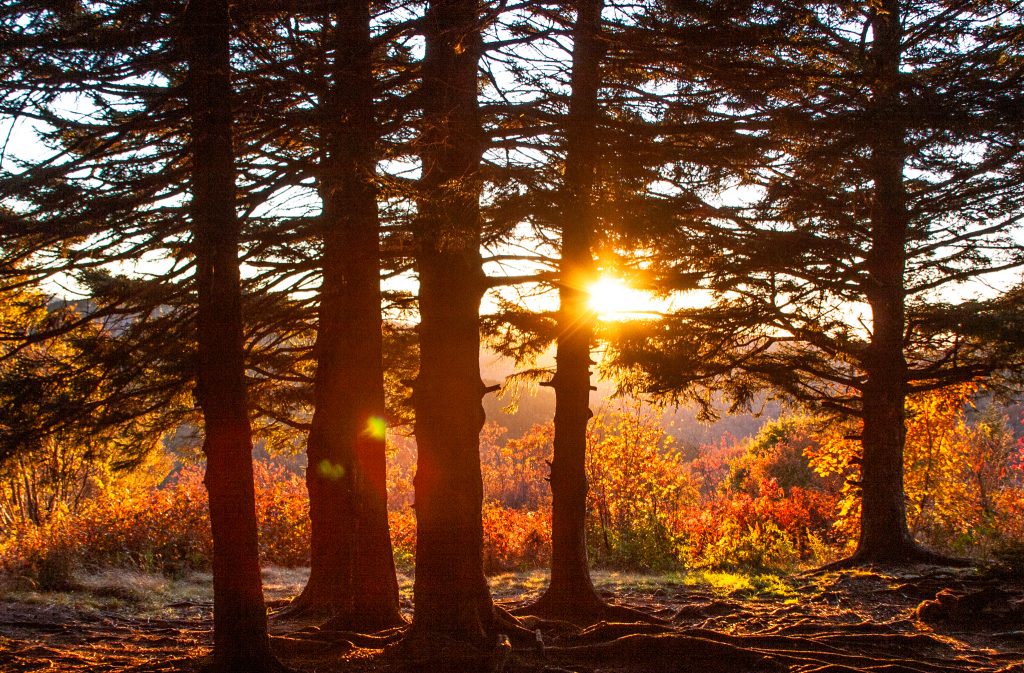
x=920 y=621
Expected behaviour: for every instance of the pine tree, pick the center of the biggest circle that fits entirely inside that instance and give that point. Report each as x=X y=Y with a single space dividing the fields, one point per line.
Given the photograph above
x=240 y=635
x=882 y=159
x=352 y=568
x=451 y=595
x=571 y=592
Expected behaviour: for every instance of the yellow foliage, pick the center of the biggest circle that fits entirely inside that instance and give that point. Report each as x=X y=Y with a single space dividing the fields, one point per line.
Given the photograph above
x=961 y=481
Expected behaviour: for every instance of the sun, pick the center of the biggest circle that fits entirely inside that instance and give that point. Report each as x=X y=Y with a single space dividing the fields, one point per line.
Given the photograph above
x=612 y=299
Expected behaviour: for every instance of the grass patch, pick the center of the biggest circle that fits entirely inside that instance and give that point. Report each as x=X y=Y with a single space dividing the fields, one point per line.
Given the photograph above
x=145 y=593
x=742 y=585
x=131 y=586
x=524 y=586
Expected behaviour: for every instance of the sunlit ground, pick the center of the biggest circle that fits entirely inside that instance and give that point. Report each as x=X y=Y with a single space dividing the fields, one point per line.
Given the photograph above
x=530 y=584
x=150 y=593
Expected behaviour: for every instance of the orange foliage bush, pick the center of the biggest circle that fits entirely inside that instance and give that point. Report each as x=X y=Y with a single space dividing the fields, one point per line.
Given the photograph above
x=641 y=490
x=782 y=499
x=515 y=471
x=403 y=537
x=515 y=539
x=165 y=529
x=516 y=512
x=964 y=481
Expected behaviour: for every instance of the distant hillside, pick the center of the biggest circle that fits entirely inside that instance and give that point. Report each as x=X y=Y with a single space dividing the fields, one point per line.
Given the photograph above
x=535 y=404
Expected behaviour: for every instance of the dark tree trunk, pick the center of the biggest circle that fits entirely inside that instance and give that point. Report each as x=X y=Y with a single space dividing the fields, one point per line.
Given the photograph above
x=884 y=535
x=352 y=572
x=451 y=593
x=240 y=620
x=571 y=593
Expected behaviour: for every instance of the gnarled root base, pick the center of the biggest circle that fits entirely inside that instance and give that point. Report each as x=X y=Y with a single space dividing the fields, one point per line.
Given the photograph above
x=337 y=616
x=429 y=652
x=903 y=555
x=423 y=650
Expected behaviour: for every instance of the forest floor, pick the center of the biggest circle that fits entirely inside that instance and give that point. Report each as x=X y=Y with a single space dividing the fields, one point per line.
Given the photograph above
x=923 y=620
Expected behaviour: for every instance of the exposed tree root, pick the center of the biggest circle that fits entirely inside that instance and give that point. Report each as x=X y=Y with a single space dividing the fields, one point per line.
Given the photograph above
x=304 y=609
x=303 y=646
x=987 y=606
x=655 y=651
x=604 y=632
x=318 y=622
x=336 y=618
x=377 y=640
x=363 y=623
x=519 y=635
x=583 y=612
x=723 y=652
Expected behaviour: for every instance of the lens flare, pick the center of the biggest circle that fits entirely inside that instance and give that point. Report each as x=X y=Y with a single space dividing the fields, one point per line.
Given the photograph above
x=376 y=427
x=329 y=470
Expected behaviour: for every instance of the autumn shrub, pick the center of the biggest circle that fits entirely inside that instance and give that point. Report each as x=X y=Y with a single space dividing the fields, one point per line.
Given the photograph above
x=515 y=470
x=401 y=468
x=784 y=499
x=964 y=478
x=648 y=506
x=640 y=490
x=403 y=537
x=515 y=538
x=773 y=530
x=162 y=529
x=777 y=455
x=772 y=511
x=282 y=514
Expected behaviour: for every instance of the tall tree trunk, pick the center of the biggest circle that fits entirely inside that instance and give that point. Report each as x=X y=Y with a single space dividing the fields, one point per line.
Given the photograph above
x=451 y=593
x=239 y=617
x=884 y=535
x=571 y=593
x=352 y=573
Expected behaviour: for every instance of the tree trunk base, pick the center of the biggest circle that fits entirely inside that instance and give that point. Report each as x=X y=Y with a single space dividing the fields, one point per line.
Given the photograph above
x=338 y=615
x=900 y=556
x=334 y=617
x=424 y=650
x=255 y=663
x=428 y=652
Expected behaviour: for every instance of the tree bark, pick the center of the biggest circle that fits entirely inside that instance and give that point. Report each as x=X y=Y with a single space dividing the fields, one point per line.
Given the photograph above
x=451 y=594
x=352 y=573
x=884 y=536
x=240 y=621
x=571 y=593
